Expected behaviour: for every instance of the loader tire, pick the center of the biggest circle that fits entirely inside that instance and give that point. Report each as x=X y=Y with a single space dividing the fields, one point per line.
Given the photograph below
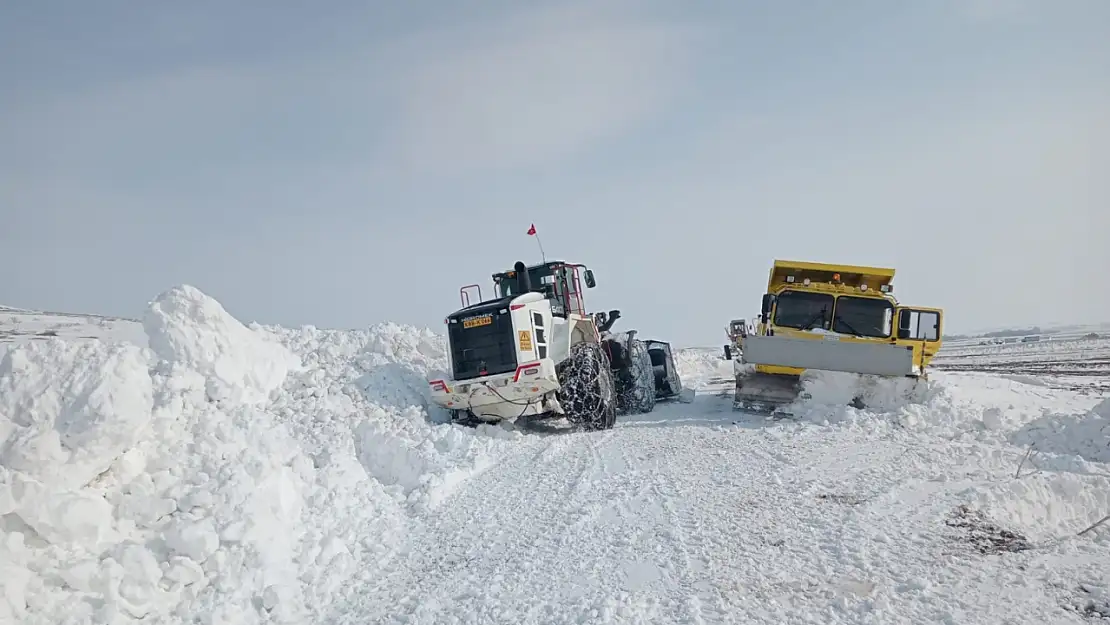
x=587 y=394
x=639 y=397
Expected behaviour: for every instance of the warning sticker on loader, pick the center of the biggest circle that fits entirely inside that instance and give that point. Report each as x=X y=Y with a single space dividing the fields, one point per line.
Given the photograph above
x=525 y=341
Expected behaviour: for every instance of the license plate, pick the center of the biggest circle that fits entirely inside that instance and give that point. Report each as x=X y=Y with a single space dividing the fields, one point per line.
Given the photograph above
x=474 y=322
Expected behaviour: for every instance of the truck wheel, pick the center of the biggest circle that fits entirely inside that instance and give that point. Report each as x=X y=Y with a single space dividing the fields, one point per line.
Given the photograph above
x=640 y=397
x=587 y=393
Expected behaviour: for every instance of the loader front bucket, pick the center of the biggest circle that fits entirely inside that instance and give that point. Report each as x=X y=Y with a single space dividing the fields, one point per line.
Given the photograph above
x=668 y=385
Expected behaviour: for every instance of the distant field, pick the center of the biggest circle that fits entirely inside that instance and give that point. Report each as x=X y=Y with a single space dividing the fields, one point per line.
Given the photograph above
x=1061 y=361
x=19 y=326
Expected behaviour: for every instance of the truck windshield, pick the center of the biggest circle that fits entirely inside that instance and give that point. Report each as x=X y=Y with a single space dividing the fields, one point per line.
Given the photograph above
x=803 y=311
x=863 y=316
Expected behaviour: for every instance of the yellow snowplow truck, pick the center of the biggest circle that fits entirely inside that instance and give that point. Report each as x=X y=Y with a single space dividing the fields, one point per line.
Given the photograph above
x=832 y=318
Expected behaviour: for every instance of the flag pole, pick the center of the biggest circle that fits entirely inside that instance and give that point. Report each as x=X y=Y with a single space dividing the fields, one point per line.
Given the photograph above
x=543 y=257
x=532 y=232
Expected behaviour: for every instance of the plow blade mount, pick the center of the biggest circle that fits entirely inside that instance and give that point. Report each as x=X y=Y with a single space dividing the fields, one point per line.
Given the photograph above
x=765 y=393
x=829 y=355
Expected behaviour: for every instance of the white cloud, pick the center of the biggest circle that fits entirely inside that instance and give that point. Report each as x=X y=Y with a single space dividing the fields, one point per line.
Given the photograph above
x=536 y=87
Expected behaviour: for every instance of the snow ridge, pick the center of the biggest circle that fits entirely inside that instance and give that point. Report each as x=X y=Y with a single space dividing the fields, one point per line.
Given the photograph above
x=227 y=474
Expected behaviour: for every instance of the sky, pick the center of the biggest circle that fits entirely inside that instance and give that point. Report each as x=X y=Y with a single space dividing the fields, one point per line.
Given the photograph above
x=345 y=163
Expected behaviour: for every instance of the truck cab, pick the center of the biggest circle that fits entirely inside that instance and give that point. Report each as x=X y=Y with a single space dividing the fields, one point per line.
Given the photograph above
x=845 y=303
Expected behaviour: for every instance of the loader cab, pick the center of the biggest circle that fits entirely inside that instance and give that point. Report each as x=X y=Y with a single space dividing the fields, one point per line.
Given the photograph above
x=562 y=283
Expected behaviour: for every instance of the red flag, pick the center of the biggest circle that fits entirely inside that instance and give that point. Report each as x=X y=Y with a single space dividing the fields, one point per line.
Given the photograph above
x=532 y=230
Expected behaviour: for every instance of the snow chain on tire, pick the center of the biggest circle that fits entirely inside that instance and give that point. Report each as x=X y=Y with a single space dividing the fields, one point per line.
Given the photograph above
x=587 y=394
x=640 y=397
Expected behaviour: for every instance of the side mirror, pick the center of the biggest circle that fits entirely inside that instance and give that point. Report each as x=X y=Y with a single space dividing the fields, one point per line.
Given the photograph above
x=768 y=303
x=728 y=352
x=590 y=281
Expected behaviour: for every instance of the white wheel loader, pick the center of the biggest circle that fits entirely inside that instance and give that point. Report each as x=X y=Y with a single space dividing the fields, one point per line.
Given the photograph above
x=534 y=351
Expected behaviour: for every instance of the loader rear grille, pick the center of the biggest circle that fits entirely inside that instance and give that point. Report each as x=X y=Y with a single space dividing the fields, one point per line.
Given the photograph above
x=483 y=349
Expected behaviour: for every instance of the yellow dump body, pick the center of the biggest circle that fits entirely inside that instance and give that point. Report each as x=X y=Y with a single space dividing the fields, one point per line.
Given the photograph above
x=855 y=281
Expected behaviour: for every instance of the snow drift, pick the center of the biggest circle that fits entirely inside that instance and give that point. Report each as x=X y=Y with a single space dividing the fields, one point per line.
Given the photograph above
x=193 y=332
x=1085 y=436
x=697 y=366
x=67 y=410
x=227 y=474
x=948 y=405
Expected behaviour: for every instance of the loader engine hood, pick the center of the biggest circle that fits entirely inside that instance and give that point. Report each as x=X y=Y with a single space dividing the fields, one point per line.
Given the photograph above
x=481 y=340
x=480 y=308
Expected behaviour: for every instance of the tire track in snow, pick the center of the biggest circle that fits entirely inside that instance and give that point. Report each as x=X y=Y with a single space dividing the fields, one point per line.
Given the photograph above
x=687 y=522
x=691 y=573
x=709 y=503
x=500 y=533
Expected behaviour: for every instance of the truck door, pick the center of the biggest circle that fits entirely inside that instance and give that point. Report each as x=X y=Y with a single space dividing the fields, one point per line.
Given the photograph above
x=921 y=324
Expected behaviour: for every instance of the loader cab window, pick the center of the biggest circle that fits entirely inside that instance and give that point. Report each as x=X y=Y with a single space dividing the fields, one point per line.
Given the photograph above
x=863 y=316
x=803 y=311
x=541 y=278
x=554 y=288
x=551 y=282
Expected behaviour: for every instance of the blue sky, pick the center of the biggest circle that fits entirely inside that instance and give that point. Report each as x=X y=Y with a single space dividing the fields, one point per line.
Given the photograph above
x=355 y=162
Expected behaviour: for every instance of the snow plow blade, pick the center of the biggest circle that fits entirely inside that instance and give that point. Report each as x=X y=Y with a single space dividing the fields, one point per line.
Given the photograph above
x=829 y=355
x=767 y=393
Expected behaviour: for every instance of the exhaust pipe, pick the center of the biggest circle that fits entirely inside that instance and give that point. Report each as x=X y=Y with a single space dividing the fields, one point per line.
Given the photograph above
x=523 y=280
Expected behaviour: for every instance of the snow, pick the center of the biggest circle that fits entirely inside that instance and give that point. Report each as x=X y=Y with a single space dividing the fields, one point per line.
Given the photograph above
x=189 y=330
x=67 y=410
x=18 y=326
x=192 y=468
x=214 y=472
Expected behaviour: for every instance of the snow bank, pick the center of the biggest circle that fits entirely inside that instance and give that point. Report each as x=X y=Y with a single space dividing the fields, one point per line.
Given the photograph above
x=191 y=330
x=697 y=366
x=68 y=410
x=948 y=405
x=1061 y=490
x=1045 y=506
x=824 y=389
x=1086 y=436
x=229 y=474
x=383 y=372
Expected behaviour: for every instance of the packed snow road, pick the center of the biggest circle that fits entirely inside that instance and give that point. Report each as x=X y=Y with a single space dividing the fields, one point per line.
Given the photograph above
x=688 y=516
